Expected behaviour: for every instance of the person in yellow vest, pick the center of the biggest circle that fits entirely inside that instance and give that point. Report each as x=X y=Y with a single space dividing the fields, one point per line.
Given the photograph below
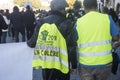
x=95 y=32
x=54 y=44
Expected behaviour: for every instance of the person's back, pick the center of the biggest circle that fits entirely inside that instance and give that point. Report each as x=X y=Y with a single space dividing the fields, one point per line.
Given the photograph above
x=94 y=43
x=98 y=33
x=29 y=21
x=29 y=18
x=4 y=31
x=3 y=25
x=64 y=27
x=16 y=19
x=50 y=44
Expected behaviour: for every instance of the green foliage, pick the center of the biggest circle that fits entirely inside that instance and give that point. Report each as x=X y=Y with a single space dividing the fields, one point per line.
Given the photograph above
x=19 y=2
x=35 y=3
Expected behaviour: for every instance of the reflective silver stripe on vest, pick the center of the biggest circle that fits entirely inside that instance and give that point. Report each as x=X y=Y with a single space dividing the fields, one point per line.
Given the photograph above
x=50 y=58
x=35 y=57
x=95 y=53
x=94 y=44
x=51 y=48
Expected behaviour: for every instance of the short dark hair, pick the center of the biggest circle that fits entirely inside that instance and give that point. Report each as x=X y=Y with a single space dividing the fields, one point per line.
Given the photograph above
x=89 y=4
x=105 y=10
x=15 y=8
x=28 y=7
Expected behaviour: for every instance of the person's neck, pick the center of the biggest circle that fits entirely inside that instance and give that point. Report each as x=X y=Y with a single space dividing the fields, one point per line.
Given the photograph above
x=89 y=10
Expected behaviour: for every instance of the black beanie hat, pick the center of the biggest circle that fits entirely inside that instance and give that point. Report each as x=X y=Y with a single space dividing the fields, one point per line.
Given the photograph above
x=90 y=3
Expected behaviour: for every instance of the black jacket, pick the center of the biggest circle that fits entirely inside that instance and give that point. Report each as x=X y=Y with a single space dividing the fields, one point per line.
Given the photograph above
x=66 y=30
x=29 y=19
x=16 y=19
x=3 y=25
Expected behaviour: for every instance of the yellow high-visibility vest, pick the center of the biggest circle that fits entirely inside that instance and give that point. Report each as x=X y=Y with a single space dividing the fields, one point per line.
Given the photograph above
x=51 y=50
x=94 y=39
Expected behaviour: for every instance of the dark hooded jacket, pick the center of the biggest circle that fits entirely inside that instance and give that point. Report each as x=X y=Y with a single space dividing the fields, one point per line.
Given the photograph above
x=66 y=29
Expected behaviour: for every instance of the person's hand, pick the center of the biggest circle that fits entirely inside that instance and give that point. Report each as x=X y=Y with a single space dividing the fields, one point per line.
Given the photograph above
x=37 y=67
x=116 y=44
x=73 y=71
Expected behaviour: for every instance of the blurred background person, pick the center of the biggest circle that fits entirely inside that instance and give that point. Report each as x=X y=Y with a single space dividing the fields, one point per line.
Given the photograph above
x=4 y=31
x=16 y=19
x=29 y=21
x=2 y=25
x=96 y=31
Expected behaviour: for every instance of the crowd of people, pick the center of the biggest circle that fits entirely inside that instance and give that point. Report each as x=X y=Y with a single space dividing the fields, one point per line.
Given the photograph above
x=59 y=37
x=62 y=41
x=19 y=22
x=24 y=21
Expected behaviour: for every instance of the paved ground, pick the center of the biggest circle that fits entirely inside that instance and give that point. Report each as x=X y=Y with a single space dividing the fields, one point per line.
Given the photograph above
x=37 y=73
x=38 y=76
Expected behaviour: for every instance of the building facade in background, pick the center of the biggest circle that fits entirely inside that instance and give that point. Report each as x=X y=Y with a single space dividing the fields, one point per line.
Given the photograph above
x=8 y=4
